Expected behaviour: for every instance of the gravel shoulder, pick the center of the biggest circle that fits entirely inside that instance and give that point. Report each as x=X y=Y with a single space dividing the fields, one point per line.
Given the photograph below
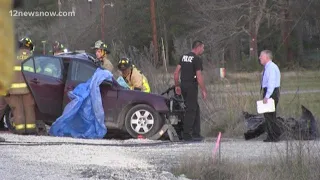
x=42 y=157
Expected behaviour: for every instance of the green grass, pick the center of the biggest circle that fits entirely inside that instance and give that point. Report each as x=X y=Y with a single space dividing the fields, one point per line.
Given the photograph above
x=296 y=167
x=289 y=104
x=290 y=81
x=222 y=111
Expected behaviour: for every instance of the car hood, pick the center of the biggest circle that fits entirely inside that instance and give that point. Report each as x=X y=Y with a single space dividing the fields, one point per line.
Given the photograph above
x=157 y=101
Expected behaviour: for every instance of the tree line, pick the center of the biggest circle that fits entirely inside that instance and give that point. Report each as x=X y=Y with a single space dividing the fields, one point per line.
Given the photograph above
x=234 y=31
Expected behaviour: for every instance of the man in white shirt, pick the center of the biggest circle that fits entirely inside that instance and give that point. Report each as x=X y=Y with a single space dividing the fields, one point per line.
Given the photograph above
x=271 y=89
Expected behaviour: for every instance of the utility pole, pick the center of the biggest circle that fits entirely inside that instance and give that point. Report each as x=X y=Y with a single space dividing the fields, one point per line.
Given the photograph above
x=59 y=19
x=252 y=31
x=154 y=31
x=287 y=59
x=103 y=5
x=73 y=7
x=44 y=47
x=59 y=5
x=90 y=6
x=102 y=20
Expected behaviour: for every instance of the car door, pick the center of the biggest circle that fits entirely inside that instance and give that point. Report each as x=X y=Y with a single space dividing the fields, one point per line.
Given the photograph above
x=46 y=84
x=79 y=72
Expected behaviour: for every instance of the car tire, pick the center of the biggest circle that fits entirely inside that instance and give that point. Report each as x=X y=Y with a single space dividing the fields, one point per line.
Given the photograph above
x=7 y=119
x=143 y=120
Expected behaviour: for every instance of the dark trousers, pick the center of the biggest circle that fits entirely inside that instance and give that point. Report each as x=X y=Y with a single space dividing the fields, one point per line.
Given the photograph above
x=272 y=126
x=3 y=106
x=191 y=121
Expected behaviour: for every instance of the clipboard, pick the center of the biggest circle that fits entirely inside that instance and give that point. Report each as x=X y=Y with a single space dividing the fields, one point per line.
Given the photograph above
x=265 y=108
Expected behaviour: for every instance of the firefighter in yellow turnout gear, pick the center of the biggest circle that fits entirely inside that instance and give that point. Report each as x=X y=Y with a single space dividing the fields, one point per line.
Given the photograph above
x=19 y=97
x=7 y=48
x=7 y=51
x=133 y=77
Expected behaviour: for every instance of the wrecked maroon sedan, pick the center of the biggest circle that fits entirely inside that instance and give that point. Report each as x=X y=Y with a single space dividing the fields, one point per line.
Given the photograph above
x=134 y=112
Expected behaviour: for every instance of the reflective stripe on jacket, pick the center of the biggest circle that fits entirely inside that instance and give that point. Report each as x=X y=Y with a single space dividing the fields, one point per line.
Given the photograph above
x=19 y=85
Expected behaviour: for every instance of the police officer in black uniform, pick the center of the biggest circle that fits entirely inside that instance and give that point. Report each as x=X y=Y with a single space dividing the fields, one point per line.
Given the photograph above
x=190 y=66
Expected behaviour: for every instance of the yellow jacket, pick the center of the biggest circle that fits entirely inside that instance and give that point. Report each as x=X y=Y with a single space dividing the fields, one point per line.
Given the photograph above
x=7 y=49
x=19 y=85
x=137 y=80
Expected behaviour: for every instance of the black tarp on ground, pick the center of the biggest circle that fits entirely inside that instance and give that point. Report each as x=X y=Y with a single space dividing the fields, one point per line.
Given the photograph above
x=303 y=128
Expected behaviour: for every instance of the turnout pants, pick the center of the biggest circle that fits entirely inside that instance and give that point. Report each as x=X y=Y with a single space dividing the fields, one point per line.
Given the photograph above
x=191 y=121
x=272 y=126
x=23 y=110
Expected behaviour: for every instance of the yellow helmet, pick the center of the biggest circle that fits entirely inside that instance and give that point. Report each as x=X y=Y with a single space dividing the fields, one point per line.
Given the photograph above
x=124 y=63
x=26 y=43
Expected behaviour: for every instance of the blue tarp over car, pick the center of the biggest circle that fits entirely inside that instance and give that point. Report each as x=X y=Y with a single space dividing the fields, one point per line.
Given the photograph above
x=83 y=117
x=122 y=82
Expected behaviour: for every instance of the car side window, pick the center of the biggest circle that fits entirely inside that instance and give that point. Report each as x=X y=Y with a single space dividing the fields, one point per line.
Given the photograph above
x=29 y=66
x=82 y=71
x=48 y=65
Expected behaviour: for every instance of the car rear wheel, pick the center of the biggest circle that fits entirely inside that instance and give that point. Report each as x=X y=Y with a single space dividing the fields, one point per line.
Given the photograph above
x=143 y=120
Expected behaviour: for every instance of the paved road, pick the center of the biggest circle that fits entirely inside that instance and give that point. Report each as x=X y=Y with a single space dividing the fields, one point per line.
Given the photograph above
x=35 y=157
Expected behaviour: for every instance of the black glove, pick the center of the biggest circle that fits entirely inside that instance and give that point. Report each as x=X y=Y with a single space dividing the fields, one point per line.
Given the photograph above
x=98 y=63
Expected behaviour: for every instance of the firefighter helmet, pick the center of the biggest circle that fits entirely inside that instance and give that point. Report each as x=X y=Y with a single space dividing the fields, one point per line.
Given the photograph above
x=26 y=43
x=101 y=45
x=124 y=63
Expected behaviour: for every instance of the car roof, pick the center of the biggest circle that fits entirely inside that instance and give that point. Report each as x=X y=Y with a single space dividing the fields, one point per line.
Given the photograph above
x=78 y=55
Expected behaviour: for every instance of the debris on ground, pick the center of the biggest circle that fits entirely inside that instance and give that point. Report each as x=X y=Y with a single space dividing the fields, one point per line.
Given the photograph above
x=302 y=128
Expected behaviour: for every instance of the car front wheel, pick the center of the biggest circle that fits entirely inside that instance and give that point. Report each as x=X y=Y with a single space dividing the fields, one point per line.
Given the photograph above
x=143 y=120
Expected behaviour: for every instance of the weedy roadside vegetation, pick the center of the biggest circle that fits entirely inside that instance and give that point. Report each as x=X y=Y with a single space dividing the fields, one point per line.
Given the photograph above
x=299 y=160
